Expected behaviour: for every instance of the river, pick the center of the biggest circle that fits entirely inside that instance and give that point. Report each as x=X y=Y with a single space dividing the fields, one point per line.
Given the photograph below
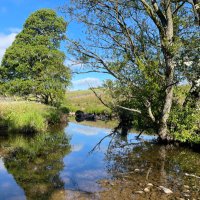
x=63 y=164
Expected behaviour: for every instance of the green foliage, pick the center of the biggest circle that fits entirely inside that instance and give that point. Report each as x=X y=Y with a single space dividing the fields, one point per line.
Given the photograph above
x=33 y=64
x=184 y=120
x=28 y=117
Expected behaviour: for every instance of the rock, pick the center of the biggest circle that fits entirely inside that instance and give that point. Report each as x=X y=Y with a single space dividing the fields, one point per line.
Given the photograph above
x=146 y=189
x=186 y=195
x=186 y=186
x=137 y=170
x=187 y=191
x=139 y=192
x=165 y=190
x=149 y=184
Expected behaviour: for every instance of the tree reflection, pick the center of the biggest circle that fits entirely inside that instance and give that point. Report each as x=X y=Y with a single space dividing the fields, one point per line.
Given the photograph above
x=35 y=163
x=144 y=162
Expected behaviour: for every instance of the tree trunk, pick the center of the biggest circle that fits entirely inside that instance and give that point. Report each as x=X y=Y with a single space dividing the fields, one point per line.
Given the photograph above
x=167 y=49
x=163 y=129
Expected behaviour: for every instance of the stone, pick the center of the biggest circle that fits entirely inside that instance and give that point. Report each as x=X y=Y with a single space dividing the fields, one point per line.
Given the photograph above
x=186 y=186
x=186 y=195
x=149 y=184
x=137 y=170
x=165 y=190
x=146 y=189
x=139 y=192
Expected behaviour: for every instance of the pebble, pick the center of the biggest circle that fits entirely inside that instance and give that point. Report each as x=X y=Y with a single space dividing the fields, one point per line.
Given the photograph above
x=186 y=186
x=165 y=190
x=139 y=192
x=147 y=189
x=136 y=170
x=150 y=185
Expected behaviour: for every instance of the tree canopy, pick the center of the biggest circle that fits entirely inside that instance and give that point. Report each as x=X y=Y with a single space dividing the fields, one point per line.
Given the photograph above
x=150 y=48
x=34 y=65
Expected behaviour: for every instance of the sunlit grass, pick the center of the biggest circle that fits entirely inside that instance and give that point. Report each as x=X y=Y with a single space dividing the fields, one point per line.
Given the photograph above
x=27 y=116
x=86 y=101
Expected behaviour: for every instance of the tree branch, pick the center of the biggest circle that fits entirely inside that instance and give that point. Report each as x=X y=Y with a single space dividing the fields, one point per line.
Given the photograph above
x=129 y=109
x=99 y=97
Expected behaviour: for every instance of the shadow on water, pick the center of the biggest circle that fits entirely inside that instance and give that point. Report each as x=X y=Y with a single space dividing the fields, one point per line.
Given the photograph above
x=58 y=166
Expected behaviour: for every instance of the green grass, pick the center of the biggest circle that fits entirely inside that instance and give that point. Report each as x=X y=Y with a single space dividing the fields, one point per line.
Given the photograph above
x=86 y=101
x=27 y=117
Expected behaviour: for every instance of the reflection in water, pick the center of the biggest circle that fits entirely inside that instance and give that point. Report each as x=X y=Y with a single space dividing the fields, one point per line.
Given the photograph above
x=52 y=166
x=36 y=163
x=137 y=164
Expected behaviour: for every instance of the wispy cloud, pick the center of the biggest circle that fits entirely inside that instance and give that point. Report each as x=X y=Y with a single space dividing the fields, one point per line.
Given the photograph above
x=14 y=30
x=5 y=42
x=86 y=83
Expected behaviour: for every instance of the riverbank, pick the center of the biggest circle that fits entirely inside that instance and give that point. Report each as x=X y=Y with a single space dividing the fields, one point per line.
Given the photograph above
x=28 y=117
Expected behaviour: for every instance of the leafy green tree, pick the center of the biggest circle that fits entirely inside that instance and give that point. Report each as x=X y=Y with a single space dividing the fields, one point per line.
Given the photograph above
x=143 y=44
x=34 y=64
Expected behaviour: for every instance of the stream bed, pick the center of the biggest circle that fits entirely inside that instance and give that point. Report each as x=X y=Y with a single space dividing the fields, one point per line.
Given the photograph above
x=70 y=164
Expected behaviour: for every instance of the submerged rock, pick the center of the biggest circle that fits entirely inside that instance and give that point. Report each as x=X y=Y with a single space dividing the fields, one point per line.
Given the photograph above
x=139 y=192
x=147 y=190
x=165 y=190
x=149 y=184
x=186 y=186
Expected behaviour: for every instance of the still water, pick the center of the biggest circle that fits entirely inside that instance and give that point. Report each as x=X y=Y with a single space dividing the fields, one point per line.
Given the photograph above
x=62 y=164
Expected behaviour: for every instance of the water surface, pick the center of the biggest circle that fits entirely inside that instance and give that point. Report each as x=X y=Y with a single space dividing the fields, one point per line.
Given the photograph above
x=60 y=165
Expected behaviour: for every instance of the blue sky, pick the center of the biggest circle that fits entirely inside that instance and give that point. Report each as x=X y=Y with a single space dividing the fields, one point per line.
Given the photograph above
x=13 y=14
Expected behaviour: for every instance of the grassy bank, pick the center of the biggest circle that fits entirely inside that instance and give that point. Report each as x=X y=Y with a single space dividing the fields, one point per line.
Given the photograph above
x=26 y=117
x=86 y=101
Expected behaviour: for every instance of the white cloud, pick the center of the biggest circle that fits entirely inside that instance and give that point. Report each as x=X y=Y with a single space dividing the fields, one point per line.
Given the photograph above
x=5 y=42
x=86 y=83
x=2 y=168
x=90 y=131
x=77 y=147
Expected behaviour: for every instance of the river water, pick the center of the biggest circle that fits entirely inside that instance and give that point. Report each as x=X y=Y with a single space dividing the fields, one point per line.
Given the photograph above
x=63 y=164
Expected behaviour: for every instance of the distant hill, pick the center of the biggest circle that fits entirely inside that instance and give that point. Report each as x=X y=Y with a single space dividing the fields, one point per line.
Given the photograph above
x=86 y=101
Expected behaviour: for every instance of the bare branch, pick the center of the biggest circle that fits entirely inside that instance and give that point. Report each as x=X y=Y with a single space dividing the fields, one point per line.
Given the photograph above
x=86 y=72
x=178 y=8
x=129 y=109
x=148 y=105
x=151 y=13
x=159 y=13
x=100 y=99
